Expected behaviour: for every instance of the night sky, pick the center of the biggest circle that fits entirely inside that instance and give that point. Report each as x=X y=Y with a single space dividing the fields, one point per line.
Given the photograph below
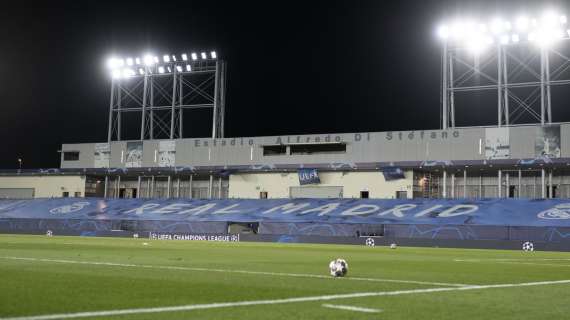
x=294 y=67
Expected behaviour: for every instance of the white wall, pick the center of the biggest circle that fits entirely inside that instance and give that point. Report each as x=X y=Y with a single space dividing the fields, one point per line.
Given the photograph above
x=249 y=185
x=46 y=186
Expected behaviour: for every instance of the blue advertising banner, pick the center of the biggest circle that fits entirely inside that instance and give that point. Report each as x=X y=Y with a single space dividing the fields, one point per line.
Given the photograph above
x=393 y=173
x=496 y=212
x=308 y=176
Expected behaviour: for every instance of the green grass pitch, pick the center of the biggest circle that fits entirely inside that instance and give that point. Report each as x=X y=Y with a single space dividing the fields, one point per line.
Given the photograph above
x=42 y=276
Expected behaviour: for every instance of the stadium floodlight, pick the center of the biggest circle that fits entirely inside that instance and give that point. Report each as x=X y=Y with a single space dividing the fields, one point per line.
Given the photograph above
x=148 y=60
x=116 y=74
x=137 y=61
x=179 y=68
x=156 y=60
x=161 y=69
x=504 y=39
x=204 y=56
x=188 y=68
x=184 y=57
x=130 y=61
x=522 y=23
x=194 y=56
x=515 y=38
x=114 y=63
x=127 y=73
x=497 y=26
x=166 y=58
x=141 y=71
x=563 y=19
x=168 y=68
x=443 y=32
x=213 y=55
x=174 y=58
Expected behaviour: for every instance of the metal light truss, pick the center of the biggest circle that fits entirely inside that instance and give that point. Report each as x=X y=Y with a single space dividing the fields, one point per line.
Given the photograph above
x=519 y=68
x=160 y=90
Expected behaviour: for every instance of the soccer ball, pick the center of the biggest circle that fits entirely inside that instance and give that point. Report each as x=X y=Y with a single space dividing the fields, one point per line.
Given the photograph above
x=528 y=246
x=393 y=246
x=338 y=268
x=370 y=242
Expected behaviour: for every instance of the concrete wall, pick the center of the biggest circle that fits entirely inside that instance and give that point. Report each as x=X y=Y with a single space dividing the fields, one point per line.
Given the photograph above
x=455 y=144
x=249 y=185
x=46 y=186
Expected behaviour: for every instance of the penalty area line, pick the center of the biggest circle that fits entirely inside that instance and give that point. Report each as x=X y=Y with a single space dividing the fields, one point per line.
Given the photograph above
x=109 y=313
x=265 y=273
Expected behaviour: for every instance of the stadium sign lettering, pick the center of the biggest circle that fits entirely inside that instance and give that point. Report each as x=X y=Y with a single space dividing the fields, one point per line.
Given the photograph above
x=194 y=237
x=421 y=135
x=306 y=208
x=356 y=137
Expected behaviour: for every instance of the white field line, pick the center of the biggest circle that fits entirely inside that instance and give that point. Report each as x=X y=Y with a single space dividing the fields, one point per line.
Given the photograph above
x=536 y=264
x=351 y=308
x=513 y=260
x=277 y=274
x=109 y=313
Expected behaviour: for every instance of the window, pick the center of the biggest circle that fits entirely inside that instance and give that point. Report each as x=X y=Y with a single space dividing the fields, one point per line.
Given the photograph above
x=401 y=194
x=274 y=150
x=71 y=156
x=364 y=194
x=65 y=194
x=318 y=148
x=78 y=194
x=263 y=195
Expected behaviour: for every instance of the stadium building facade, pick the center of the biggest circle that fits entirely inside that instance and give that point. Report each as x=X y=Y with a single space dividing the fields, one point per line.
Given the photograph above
x=530 y=161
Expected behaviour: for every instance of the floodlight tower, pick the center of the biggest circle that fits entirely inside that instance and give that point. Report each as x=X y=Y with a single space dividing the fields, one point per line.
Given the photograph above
x=161 y=88
x=520 y=60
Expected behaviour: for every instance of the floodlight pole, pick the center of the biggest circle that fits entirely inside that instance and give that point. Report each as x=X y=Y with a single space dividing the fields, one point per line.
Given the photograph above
x=499 y=85
x=444 y=88
x=505 y=87
x=144 y=102
x=547 y=78
x=173 y=109
x=111 y=103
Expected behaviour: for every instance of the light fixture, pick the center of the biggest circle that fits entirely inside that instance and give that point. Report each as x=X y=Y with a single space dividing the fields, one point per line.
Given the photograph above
x=148 y=60
x=184 y=57
x=156 y=60
x=168 y=68
x=515 y=38
x=204 y=56
x=213 y=55
x=443 y=32
x=188 y=68
x=166 y=58
x=116 y=74
x=138 y=61
x=179 y=68
x=194 y=56
x=173 y=58
x=127 y=73
x=141 y=71
x=161 y=69
x=130 y=61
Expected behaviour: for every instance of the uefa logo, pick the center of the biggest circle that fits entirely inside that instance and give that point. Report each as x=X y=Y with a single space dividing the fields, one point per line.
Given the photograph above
x=74 y=207
x=559 y=212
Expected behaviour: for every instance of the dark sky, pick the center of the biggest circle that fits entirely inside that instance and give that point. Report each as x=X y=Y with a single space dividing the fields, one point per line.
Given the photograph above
x=294 y=66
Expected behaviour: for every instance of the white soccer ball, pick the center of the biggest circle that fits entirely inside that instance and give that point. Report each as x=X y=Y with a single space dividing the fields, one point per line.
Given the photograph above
x=528 y=246
x=338 y=268
x=393 y=246
x=370 y=242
